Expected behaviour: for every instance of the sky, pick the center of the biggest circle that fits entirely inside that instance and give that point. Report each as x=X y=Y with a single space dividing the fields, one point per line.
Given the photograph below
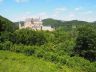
x=17 y=10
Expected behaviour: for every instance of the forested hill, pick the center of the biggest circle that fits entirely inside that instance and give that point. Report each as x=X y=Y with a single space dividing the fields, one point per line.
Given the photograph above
x=52 y=22
x=58 y=23
x=6 y=25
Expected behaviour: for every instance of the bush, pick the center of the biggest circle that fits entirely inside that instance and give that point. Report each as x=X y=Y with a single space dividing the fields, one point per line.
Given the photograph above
x=5 y=36
x=50 y=56
x=28 y=50
x=7 y=45
x=28 y=37
x=86 y=42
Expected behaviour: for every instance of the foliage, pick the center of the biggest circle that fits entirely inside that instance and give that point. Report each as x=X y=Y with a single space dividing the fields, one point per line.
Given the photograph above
x=86 y=42
x=52 y=22
x=5 y=36
x=13 y=62
x=49 y=55
x=28 y=37
x=6 y=25
x=7 y=45
x=66 y=24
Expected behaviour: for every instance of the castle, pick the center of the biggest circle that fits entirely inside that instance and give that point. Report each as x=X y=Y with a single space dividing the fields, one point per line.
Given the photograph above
x=35 y=24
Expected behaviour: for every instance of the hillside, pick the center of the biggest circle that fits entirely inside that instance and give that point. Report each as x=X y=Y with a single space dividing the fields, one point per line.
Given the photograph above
x=6 y=25
x=57 y=23
x=14 y=62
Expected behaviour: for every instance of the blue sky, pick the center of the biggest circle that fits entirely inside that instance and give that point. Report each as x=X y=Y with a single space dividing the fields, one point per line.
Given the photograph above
x=66 y=10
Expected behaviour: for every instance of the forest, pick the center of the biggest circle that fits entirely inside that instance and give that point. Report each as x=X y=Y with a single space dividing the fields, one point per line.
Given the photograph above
x=70 y=48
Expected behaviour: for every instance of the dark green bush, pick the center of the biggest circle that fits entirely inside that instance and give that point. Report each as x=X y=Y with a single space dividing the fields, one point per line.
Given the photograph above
x=7 y=45
x=28 y=50
x=5 y=36
x=86 y=42
x=28 y=37
x=50 y=56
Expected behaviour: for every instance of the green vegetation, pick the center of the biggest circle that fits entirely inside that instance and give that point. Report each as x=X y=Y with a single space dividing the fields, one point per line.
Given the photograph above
x=12 y=62
x=65 y=24
x=6 y=25
x=67 y=49
x=86 y=42
x=29 y=37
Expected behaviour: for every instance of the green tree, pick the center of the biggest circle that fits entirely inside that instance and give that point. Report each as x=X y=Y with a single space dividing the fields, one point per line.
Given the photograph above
x=86 y=42
x=6 y=25
x=28 y=37
x=6 y=28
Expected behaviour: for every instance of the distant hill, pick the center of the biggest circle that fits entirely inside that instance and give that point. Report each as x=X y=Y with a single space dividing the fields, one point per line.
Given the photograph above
x=58 y=23
x=52 y=22
x=6 y=25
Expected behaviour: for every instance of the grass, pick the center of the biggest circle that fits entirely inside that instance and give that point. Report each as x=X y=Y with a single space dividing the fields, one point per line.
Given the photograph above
x=12 y=62
x=16 y=62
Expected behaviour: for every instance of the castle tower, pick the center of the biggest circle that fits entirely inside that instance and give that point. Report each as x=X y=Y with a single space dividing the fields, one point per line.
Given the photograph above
x=20 y=25
x=35 y=24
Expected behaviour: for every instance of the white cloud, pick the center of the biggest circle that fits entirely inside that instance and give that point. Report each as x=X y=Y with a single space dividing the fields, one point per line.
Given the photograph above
x=42 y=15
x=78 y=9
x=21 y=1
x=21 y=16
x=77 y=14
x=88 y=12
x=28 y=14
x=60 y=10
x=59 y=13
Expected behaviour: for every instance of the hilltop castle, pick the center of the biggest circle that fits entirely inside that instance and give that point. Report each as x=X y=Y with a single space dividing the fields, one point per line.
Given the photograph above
x=35 y=24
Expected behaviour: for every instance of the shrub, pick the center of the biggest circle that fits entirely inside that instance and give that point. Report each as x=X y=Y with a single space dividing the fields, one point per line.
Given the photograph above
x=5 y=36
x=86 y=42
x=28 y=50
x=28 y=37
x=7 y=45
